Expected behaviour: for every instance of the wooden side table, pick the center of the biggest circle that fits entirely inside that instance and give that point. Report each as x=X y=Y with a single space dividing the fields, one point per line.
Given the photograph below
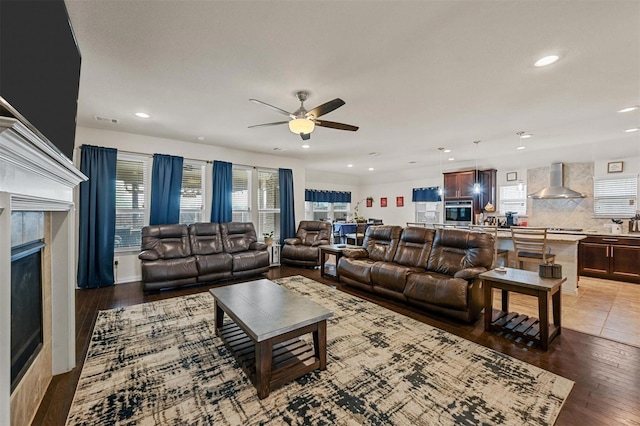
x=336 y=250
x=525 y=282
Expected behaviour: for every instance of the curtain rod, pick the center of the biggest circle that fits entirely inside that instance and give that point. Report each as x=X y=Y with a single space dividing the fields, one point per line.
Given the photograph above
x=151 y=155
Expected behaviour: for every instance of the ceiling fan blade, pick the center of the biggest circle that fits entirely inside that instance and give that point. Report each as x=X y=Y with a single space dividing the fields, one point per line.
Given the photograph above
x=269 y=124
x=280 y=110
x=334 y=125
x=305 y=136
x=326 y=108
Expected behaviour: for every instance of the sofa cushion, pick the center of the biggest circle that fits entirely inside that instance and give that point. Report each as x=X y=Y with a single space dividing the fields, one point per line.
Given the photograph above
x=391 y=275
x=381 y=242
x=212 y=263
x=238 y=236
x=314 y=232
x=414 y=247
x=206 y=238
x=169 y=241
x=456 y=249
x=438 y=289
x=300 y=252
x=169 y=269
x=356 y=269
x=247 y=260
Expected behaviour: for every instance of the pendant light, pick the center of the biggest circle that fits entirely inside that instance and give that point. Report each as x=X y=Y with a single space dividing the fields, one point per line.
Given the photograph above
x=440 y=190
x=476 y=186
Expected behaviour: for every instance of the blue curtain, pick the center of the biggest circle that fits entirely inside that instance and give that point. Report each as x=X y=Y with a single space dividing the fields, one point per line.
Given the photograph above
x=221 y=207
x=287 y=206
x=426 y=194
x=166 y=183
x=327 y=196
x=97 y=227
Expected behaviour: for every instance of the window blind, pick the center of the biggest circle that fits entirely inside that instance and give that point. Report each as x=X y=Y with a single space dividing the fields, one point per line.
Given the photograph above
x=191 y=199
x=240 y=199
x=131 y=192
x=513 y=198
x=268 y=203
x=615 y=197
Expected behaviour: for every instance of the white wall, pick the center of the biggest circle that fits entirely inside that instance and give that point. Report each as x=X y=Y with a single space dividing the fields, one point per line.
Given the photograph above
x=129 y=265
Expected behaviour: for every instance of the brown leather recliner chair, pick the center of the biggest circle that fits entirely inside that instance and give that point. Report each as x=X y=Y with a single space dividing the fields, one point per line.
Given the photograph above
x=303 y=249
x=166 y=257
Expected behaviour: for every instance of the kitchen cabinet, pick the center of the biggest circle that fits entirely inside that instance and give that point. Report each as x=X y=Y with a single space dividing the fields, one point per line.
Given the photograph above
x=488 y=184
x=614 y=258
x=459 y=185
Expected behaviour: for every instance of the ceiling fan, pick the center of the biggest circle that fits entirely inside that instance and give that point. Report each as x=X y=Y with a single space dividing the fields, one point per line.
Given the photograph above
x=302 y=121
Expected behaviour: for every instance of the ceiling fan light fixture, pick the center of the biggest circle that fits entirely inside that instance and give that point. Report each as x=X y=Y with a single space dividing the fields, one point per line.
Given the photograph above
x=301 y=126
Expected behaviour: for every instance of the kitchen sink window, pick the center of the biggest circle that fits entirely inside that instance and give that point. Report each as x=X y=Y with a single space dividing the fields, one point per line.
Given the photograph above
x=513 y=198
x=615 y=197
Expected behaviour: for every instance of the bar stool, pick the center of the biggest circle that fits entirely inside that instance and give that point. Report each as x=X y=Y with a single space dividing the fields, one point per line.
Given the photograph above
x=497 y=252
x=530 y=245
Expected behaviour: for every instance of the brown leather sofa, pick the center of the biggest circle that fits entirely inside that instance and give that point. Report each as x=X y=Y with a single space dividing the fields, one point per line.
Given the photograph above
x=433 y=269
x=177 y=255
x=303 y=249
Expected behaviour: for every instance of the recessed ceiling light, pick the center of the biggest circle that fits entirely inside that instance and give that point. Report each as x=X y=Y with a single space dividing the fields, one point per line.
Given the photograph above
x=305 y=146
x=526 y=135
x=349 y=165
x=633 y=129
x=200 y=138
x=370 y=169
x=142 y=115
x=547 y=60
x=447 y=150
x=521 y=147
x=451 y=158
x=628 y=109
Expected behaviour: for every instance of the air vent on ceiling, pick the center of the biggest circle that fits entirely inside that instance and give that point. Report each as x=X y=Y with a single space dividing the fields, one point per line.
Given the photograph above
x=108 y=120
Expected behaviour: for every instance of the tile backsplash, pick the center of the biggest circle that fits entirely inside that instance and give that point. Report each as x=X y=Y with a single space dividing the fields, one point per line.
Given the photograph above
x=564 y=213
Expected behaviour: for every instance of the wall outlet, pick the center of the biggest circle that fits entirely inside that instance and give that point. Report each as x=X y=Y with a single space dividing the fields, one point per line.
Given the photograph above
x=116 y=261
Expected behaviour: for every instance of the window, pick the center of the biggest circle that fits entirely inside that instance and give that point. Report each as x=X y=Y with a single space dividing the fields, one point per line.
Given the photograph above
x=240 y=194
x=131 y=192
x=513 y=198
x=615 y=197
x=268 y=203
x=320 y=210
x=191 y=202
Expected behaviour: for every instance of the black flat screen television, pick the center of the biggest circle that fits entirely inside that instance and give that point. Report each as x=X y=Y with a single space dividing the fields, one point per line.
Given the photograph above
x=40 y=69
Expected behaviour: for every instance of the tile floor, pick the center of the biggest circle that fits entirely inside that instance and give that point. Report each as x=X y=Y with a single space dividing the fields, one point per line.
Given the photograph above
x=604 y=308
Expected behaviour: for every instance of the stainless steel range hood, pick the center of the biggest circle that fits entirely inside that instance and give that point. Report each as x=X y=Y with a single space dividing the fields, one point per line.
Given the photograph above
x=556 y=189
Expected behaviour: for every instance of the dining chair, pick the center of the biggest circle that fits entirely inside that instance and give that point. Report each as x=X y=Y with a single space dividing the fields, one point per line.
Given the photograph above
x=358 y=237
x=497 y=252
x=530 y=245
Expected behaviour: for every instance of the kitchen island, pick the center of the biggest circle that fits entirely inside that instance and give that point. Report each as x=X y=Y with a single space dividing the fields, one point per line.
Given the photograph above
x=563 y=245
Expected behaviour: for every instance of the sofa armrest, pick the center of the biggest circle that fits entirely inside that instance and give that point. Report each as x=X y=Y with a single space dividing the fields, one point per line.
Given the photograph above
x=256 y=245
x=293 y=241
x=470 y=273
x=149 y=255
x=358 y=253
x=320 y=243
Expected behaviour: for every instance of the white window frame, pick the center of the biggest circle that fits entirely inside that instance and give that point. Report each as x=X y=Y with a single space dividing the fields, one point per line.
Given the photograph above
x=615 y=196
x=199 y=210
x=261 y=229
x=511 y=202
x=310 y=210
x=146 y=178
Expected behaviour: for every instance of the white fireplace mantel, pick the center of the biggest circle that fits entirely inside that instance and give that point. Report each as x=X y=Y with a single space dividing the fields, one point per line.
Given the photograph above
x=34 y=176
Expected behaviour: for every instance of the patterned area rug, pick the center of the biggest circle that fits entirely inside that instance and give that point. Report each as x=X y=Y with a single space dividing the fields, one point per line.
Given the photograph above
x=160 y=363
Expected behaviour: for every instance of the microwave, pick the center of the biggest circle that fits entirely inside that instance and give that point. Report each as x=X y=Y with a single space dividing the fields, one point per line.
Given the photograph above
x=458 y=212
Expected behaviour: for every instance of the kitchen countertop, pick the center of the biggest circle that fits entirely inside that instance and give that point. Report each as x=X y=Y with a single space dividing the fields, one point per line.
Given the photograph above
x=551 y=236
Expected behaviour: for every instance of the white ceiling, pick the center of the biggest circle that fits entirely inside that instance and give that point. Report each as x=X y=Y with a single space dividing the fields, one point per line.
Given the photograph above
x=415 y=76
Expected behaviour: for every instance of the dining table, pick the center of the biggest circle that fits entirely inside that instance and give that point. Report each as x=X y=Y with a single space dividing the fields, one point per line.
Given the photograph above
x=341 y=229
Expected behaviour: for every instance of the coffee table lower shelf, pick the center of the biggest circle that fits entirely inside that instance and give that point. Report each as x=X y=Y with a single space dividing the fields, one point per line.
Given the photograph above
x=290 y=359
x=520 y=326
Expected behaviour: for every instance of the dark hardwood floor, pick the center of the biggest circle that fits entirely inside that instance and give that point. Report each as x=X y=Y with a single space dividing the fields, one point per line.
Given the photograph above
x=607 y=373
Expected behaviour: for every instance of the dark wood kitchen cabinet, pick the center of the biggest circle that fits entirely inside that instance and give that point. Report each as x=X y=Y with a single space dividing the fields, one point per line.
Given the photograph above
x=459 y=185
x=614 y=258
x=488 y=187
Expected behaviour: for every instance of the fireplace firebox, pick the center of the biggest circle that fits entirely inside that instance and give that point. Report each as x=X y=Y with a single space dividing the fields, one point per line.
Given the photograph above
x=26 y=307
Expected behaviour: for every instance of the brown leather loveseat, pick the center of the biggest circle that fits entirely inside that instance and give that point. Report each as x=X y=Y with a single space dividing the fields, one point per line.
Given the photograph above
x=302 y=250
x=434 y=269
x=176 y=255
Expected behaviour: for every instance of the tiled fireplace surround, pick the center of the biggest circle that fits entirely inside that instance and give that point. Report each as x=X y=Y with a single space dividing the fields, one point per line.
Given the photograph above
x=34 y=177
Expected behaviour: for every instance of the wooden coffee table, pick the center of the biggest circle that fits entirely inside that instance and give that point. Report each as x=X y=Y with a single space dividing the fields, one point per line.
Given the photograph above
x=264 y=334
x=526 y=282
